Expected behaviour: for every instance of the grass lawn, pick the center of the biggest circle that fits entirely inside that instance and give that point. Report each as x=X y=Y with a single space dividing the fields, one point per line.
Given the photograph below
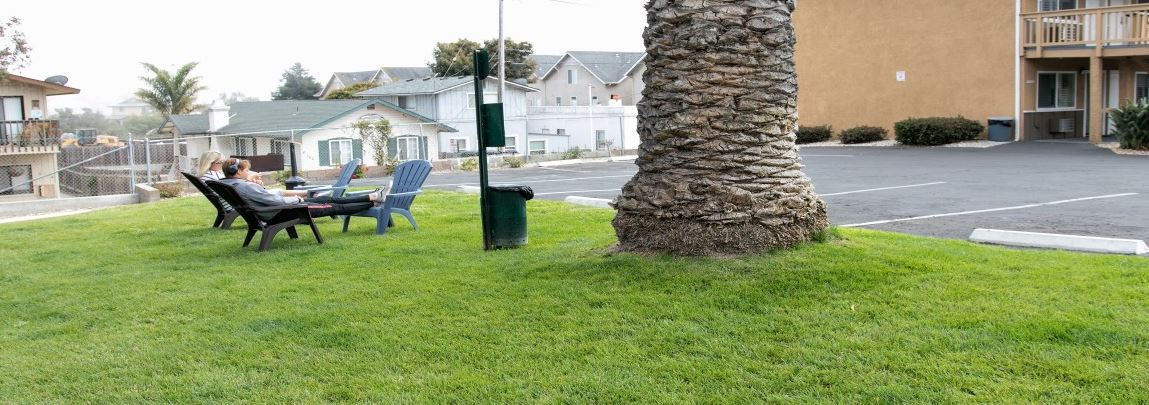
x=146 y=303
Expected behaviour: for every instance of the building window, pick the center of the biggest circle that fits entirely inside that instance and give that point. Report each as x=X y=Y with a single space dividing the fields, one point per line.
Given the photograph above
x=572 y=76
x=1056 y=90
x=600 y=141
x=245 y=146
x=408 y=148
x=512 y=143
x=594 y=100
x=537 y=147
x=16 y=179
x=340 y=150
x=1054 y=5
x=458 y=144
x=558 y=101
x=574 y=100
x=1142 y=89
x=487 y=99
x=406 y=103
x=561 y=131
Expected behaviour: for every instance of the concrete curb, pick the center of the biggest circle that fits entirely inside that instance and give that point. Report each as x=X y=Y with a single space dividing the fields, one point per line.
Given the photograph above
x=588 y=160
x=590 y=202
x=1055 y=241
x=468 y=189
x=49 y=205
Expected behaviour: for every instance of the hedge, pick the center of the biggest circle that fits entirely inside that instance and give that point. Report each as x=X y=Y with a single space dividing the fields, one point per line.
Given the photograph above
x=813 y=134
x=936 y=130
x=863 y=134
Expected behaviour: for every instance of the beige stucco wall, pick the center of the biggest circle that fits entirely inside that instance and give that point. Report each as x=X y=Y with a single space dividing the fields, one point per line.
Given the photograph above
x=959 y=59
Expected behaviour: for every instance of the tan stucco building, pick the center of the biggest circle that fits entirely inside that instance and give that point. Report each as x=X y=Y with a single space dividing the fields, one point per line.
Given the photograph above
x=877 y=62
x=28 y=142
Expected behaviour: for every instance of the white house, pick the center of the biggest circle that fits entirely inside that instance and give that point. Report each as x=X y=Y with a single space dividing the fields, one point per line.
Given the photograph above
x=321 y=130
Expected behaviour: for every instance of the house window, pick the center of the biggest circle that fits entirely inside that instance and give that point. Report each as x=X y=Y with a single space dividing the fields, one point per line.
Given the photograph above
x=16 y=179
x=1142 y=90
x=1054 y=5
x=1056 y=90
x=574 y=100
x=572 y=76
x=408 y=148
x=558 y=101
x=561 y=131
x=537 y=147
x=594 y=100
x=458 y=144
x=340 y=150
x=406 y=103
x=600 y=141
x=512 y=143
x=487 y=99
x=245 y=146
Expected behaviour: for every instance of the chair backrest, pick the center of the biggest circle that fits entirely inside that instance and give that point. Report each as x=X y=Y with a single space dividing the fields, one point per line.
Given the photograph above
x=237 y=203
x=348 y=171
x=211 y=195
x=409 y=176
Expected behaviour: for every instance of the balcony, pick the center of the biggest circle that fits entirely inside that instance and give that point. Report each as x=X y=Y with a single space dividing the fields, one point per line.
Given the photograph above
x=1100 y=31
x=29 y=137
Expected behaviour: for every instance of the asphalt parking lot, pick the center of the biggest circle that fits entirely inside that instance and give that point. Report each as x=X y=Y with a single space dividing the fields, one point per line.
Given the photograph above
x=1067 y=188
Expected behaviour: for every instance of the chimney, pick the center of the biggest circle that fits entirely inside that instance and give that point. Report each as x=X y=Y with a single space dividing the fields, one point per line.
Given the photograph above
x=217 y=116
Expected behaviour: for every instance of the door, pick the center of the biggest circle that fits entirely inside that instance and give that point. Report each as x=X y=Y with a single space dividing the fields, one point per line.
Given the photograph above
x=1111 y=94
x=12 y=115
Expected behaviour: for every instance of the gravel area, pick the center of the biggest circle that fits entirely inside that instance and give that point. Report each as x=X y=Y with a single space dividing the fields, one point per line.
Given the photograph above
x=1116 y=148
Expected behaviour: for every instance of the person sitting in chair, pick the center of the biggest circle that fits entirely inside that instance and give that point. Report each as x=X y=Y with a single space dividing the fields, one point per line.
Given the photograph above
x=237 y=172
x=211 y=168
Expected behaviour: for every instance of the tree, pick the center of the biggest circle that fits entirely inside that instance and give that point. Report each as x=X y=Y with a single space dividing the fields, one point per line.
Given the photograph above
x=171 y=94
x=70 y=121
x=376 y=134
x=235 y=97
x=455 y=58
x=14 y=48
x=297 y=85
x=349 y=91
x=718 y=167
x=141 y=125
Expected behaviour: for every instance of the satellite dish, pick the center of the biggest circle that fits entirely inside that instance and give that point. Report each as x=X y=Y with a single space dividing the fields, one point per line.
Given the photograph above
x=57 y=79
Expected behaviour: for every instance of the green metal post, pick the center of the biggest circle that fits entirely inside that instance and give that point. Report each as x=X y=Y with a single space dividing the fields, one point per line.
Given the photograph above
x=481 y=64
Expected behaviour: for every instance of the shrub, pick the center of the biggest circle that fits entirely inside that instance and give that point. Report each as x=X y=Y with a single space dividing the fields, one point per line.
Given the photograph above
x=819 y=133
x=469 y=165
x=572 y=153
x=863 y=134
x=1131 y=125
x=281 y=176
x=169 y=189
x=513 y=162
x=936 y=130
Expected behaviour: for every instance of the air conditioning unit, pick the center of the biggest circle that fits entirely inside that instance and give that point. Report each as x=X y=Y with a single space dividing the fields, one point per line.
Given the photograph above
x=1065 y=125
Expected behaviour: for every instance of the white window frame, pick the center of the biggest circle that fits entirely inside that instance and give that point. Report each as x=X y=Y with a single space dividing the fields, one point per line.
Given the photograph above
x=574 y=100
x=572 y=76
x=457 y=142
x=542 y=151
x=1057 y=87
x=512 y=141
x=332 y=148
x=487 y=99
x=403 y=144
x=558 y=100
x=598 y=143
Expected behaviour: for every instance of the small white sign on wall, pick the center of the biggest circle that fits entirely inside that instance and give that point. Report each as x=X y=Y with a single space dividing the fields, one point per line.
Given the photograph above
x=901 y=75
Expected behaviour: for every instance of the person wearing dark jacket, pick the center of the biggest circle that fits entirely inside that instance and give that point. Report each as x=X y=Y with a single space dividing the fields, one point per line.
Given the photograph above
x=237 y=174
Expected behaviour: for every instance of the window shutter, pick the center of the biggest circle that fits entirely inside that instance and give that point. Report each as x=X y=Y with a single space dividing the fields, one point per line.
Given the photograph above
x=324 y=153
x=423 y=148
x=392 y=148
x=357 y=148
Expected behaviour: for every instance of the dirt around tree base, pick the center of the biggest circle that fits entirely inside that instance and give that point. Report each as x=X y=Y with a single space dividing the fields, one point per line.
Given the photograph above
x=682 y=237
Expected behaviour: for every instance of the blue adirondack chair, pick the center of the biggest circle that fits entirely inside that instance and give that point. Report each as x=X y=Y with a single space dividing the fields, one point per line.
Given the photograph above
x=341 y=183
x=405 y=185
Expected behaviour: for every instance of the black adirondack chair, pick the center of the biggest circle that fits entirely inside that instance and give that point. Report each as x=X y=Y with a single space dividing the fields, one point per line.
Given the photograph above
x=225 y=215
x=286 y=216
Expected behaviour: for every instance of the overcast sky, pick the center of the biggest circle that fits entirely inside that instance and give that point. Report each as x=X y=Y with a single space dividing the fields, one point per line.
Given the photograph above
x=245 y=46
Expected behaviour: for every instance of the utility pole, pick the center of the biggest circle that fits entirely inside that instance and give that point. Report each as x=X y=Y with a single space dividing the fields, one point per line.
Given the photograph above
x=502 y=56
x=590 y=115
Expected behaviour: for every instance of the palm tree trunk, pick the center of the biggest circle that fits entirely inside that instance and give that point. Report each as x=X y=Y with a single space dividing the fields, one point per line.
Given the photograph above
x=719 y=172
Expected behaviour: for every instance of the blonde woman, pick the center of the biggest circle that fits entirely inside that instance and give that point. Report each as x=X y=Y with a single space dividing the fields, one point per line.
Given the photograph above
x=210 y=166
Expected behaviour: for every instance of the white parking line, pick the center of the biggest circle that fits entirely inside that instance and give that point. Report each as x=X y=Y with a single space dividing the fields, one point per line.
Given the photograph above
x=1017 y=207
x=883 y=188
x=805 y=155
x=581 y=191
x=564 y=170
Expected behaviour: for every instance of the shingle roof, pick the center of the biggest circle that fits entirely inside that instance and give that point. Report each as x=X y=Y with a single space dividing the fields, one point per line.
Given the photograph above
x=545 y=63
x=610 y=67
x=278 y=118
x=407 y=73
x=349 y=78
x=190 y=124
x=426 y=86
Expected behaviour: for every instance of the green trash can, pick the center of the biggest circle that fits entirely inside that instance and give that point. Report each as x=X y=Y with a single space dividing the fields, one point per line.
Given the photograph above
x=508 y=205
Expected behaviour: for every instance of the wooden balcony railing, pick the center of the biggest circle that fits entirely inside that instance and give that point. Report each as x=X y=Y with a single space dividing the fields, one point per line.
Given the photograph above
x=1090 y=27
x=30 y=136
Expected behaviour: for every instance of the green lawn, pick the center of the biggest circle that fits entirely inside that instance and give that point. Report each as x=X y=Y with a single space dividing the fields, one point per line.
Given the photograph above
x=146 y=303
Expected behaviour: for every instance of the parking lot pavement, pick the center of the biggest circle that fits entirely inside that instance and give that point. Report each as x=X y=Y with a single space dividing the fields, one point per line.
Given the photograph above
x=1069 y=188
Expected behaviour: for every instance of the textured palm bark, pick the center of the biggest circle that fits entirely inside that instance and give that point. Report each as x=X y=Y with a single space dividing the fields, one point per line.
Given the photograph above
x=719 y=172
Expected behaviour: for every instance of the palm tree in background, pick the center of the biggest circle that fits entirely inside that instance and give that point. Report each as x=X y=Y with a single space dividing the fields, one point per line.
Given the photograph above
x=171 y=94
x=719 y=171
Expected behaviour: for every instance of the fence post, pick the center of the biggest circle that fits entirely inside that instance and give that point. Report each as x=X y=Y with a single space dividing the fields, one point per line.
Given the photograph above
x=132 y=163
x=148 y=159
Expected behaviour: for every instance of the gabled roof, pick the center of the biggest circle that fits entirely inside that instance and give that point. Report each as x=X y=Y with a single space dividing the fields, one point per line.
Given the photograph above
x=278 y=118
x=545 y=63
x=433 y=85
x=349 y=78
x=190 y=123
x=607 y=67
x=50 y=89
x=407 y=73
